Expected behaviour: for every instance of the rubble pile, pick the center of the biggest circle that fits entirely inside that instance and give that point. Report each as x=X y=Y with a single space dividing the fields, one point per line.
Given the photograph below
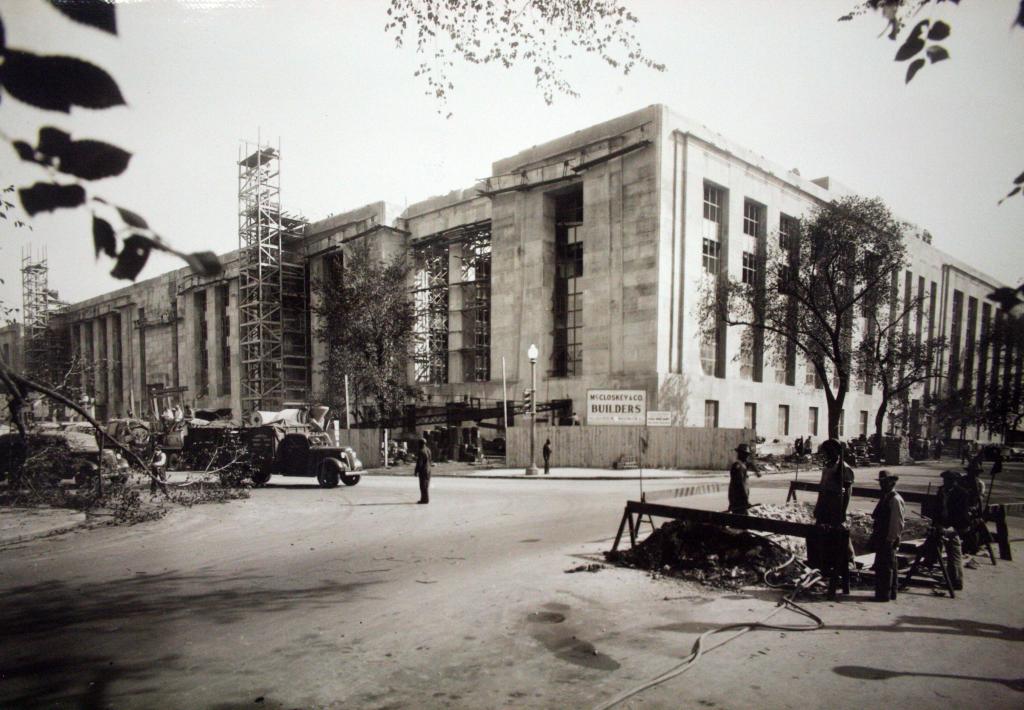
x=717 y=557
x=730 y=559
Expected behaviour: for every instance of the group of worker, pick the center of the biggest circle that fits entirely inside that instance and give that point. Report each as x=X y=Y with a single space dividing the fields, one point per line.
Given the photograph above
x=958 y=515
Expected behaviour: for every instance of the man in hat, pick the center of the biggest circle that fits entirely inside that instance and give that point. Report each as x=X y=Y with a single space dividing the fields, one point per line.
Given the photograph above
x=835 y=487
x=888 y=516
x=423 y=462
x=546 y=453
x=951 y=514
x=975 y=533
x=739 y=488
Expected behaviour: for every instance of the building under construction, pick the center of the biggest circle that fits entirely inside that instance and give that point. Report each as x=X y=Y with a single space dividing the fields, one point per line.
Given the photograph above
x=593 y=246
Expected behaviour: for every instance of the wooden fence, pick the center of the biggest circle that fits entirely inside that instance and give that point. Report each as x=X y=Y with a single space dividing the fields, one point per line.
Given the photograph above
x=366 y=443
x=603 y=446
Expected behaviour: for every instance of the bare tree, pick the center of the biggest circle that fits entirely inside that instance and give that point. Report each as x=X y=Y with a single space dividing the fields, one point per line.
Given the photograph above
x=893 y=357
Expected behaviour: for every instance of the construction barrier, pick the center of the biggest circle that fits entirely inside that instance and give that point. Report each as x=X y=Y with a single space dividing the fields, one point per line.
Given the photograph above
x=620 y=446
x=365 y=442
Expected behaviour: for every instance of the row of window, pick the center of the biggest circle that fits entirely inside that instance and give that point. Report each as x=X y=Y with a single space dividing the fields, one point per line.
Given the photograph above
x=711 y=409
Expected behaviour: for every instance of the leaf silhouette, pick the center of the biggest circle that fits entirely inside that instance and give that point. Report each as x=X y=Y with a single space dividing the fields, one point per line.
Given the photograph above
x=97 y=13
x=939 y=31
x=49 y=196
x=87 y=159
x=914 y=67
x=57 y=83
x=103 y=237
x=132 y=219
x=913 y=44
x=204 y=263
x=937 y=54
x=132 y=258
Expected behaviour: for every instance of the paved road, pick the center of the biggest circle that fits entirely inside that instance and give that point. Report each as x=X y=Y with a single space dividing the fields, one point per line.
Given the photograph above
x=357 y=597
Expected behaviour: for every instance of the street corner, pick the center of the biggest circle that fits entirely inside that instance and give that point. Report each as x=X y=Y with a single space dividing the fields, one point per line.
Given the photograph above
x=23 y=524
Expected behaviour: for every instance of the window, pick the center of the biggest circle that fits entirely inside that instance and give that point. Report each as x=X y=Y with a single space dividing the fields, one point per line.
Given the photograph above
x=431 y=298
x=475 y=282
x=712 y=253
x=863 y=423
x=812 y=421
x=749 y=268
x=788 y=231
x=753 y=219
x=784 y=419
x=714 y=200
x=567 y=353
x=709 y=352
x=222 y=295
x=750 y=415
x=711 y=413
x=842 y=418
x=954 y=339
x=202 y=355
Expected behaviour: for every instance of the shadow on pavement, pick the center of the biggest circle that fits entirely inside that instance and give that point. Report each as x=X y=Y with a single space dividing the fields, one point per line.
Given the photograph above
x=155 y=599
x=935 y=625
x=868 y=673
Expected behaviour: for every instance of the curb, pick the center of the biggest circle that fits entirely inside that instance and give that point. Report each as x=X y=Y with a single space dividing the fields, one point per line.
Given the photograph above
x=25 y=537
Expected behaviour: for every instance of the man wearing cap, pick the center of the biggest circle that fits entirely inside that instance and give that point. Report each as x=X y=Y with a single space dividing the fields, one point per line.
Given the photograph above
x=952 y=516
x=423 y=461
x=888 y=516
x=834 y=492
x=739 y=488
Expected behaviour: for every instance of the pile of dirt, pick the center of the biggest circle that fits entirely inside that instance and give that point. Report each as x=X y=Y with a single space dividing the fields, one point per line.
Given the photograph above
x=717 y=557
x=730 y=559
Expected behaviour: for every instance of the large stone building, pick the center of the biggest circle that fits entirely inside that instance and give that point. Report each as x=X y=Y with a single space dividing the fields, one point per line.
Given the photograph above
x=590 y=246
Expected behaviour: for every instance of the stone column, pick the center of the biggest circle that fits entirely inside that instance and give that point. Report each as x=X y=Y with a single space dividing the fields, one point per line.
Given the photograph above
x=113 y=365
x=236 y=351
x=128 y=384
x=84 y=357
x=99 y=360
x=214 y=336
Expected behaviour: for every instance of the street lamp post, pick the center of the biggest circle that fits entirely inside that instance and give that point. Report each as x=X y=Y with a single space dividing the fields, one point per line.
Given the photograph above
x=532 y=353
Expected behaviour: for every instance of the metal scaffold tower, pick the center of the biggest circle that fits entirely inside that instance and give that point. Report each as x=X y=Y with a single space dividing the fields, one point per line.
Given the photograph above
x=272 y=286
x=41 y=349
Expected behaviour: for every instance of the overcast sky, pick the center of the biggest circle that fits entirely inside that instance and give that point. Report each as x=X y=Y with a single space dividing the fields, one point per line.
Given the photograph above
x=782 y=78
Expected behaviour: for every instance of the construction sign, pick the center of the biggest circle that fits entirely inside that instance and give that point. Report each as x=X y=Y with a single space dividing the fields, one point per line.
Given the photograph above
x=616 y=407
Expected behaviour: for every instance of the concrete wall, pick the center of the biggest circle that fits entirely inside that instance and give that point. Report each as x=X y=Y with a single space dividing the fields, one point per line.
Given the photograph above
x=603 y=446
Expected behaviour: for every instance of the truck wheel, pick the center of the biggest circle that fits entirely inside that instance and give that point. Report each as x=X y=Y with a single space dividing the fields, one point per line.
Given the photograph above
x=327 y=478
x=85 y=475
x=260 y=478
x=349 y=480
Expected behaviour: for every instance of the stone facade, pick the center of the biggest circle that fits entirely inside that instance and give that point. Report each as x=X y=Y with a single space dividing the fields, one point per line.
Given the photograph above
x=642 y=180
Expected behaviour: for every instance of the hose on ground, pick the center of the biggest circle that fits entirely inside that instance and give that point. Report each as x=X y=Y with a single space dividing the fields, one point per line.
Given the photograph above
x=808 y=579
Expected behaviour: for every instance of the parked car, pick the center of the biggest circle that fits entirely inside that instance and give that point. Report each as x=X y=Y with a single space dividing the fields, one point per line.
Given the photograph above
x=79 y=445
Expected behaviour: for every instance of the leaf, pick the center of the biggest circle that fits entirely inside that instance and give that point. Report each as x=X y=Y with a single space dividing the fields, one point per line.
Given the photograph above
x=914 y=67
x=1020 y=15
x=103 y=237
x=913 y=44
x=204 y=263
x=48 y=196
x=57 y=83
x=937 y=53
x=1019 y=180
x=939 y=31
x=96 y=13
x=87 y=159
x=93 y=160
x=132 y=219
x=3 y=36
x=132 y=258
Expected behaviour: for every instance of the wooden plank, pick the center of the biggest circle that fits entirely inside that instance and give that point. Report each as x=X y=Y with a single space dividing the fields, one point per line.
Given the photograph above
x=742 y=522
x=861 y=492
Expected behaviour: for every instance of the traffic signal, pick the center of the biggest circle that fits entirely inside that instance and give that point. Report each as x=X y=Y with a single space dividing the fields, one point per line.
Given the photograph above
x=527 y=400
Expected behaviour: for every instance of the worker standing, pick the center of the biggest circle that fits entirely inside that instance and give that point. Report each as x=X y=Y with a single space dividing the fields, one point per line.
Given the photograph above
x=546 y=451
x=952 y=516
x=423 y=463
x=975 y=533
x=834 y=492
x=739 y=487
x=888 y=516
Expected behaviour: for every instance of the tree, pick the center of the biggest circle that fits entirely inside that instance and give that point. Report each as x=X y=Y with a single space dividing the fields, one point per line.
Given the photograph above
x=365 y=319
x=538 y=33
x=894 y=358
x=924 y=37
x=1002 y=408
x=809 y=285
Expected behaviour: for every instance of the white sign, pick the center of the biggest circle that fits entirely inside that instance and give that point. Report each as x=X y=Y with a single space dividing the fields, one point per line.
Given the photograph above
x=658 y=418
x=616 y=407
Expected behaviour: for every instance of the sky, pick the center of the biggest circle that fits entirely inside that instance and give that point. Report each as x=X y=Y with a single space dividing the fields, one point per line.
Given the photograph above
x=780 y=77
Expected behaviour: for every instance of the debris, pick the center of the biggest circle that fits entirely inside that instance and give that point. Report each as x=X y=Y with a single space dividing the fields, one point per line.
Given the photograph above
x=593 y=567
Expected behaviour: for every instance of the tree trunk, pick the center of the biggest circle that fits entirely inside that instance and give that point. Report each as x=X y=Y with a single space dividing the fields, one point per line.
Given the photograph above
x=879 y=421
x=835 y=410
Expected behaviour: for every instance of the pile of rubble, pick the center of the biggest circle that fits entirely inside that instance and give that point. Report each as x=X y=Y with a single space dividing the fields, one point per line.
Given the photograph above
x=731 y=559
x=718 y=557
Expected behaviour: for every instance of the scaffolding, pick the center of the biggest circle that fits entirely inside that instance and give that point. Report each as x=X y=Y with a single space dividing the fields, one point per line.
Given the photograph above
x=456 y=303
x=42 y=350
x=273 y=335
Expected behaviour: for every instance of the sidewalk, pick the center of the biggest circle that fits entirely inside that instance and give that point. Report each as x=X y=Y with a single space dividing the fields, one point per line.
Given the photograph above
x=19 y=524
